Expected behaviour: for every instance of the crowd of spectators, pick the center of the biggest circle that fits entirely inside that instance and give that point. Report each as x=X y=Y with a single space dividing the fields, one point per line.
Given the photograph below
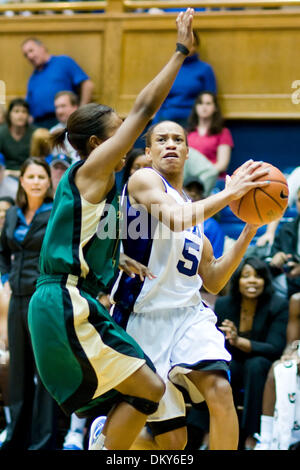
x=256 y=322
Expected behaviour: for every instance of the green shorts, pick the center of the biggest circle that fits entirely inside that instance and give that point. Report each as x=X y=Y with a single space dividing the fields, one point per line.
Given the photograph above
x=80 y=352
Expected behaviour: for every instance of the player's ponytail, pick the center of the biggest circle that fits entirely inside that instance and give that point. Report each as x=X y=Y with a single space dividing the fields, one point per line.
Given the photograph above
x=57 y=138
x=87 y=120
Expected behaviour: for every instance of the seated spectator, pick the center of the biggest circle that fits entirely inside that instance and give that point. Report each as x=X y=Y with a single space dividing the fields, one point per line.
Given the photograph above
x=279 y=423
x=65 y=102
x=212 y=228
x=198 y=168
x=51 y=74
x=285 y=253
x=135 y=159
x=40 y=146
x=58 y=165
x=6 y=203
x=8 y=184
x=194 y=77
x=254 y=321
x=207 y=133
x=15 y=136
x=2 y=114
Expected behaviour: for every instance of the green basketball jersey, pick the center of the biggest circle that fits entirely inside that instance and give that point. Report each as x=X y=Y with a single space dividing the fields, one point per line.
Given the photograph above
x=82 y=238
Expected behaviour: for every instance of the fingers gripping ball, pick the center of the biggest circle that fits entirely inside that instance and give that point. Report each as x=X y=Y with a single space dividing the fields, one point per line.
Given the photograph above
x=263 y=205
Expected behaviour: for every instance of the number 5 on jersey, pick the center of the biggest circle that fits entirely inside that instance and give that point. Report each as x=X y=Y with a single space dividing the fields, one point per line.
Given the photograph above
x=190 y=266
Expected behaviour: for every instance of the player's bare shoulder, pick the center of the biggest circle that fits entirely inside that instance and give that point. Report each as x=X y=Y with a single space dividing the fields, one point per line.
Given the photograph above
x=144 y=186
x=144 y=179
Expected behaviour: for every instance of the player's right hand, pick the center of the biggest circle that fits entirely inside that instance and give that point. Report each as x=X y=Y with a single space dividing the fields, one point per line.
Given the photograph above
x=245 y=179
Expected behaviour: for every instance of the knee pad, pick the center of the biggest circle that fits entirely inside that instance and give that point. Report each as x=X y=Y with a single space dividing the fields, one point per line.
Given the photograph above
x=145 y=406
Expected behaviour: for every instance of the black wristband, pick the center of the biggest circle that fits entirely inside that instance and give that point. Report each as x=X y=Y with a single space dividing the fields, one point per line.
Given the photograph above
x=181 y=48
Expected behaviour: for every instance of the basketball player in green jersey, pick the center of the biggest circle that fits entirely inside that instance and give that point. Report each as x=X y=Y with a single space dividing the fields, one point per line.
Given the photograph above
x=83 y=357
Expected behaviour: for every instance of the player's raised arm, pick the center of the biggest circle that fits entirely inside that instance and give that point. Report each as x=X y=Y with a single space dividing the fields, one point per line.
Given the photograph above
x=103 y=160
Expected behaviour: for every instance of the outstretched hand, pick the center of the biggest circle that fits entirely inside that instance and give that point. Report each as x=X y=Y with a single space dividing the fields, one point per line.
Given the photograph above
x=246 y=178
x=132 y=267
x=184 y=23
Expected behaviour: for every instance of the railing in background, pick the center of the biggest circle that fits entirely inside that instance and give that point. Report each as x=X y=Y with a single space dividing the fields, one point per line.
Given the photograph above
x=253 y=51
x=209 y=4
x=122 y=6
x=55 y=7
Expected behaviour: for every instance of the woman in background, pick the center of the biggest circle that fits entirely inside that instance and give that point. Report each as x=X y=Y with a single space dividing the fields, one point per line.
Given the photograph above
x=254 y=321
x=32 y=410
x=15 y=136
x=135 y=159
x=207 y=133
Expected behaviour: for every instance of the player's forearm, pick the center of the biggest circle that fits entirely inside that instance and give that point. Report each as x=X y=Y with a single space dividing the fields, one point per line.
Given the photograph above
x=153 y=95
x=223 y=267
x=86 y=92
x=188 y=215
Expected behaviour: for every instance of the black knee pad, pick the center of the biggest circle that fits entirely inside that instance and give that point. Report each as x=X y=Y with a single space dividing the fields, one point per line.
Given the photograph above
x=145 y=406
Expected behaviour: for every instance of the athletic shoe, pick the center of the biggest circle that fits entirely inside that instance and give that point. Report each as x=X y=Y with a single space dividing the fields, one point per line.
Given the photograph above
x=3 y=435
x=261 y=444
x=95 y=433
x=73 y=441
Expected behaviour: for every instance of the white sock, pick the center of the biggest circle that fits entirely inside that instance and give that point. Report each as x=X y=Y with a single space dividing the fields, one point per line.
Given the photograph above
x=7 y=414
x=77 y=424
x=266 y=428
x=100 y=443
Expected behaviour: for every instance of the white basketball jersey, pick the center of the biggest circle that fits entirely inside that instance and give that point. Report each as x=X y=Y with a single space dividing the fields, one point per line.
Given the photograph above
x=173 y=257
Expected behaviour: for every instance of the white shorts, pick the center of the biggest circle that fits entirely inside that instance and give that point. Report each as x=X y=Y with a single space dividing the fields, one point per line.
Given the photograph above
x=178 y=341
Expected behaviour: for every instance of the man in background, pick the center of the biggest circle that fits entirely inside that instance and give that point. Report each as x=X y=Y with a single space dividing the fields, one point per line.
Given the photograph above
x=51 y=74
x=58 y=165
x=65 y=102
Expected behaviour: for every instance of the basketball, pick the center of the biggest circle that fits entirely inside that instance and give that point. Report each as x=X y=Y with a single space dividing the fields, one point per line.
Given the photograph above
x=263 y=205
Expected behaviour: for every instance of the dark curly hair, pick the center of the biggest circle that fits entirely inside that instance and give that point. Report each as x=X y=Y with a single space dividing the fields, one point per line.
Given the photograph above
x=263 y=271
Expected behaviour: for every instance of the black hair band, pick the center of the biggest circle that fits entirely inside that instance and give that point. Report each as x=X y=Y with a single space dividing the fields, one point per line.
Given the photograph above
x=181 y=48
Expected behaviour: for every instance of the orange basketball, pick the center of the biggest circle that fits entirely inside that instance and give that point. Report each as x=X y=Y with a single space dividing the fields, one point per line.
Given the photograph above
x=263 y=205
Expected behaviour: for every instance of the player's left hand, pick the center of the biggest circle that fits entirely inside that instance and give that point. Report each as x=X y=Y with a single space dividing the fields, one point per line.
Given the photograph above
x=132 y=267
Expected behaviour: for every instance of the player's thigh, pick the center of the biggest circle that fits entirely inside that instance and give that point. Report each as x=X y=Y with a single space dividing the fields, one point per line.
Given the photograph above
x=144 y=383
x=172 y=440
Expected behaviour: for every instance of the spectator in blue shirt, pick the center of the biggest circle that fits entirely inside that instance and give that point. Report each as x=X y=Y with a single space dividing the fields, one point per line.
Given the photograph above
x=194 y=76
x=52 y=73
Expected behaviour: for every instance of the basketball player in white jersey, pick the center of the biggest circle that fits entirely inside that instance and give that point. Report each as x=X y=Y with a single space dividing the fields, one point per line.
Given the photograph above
x=166 y=315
